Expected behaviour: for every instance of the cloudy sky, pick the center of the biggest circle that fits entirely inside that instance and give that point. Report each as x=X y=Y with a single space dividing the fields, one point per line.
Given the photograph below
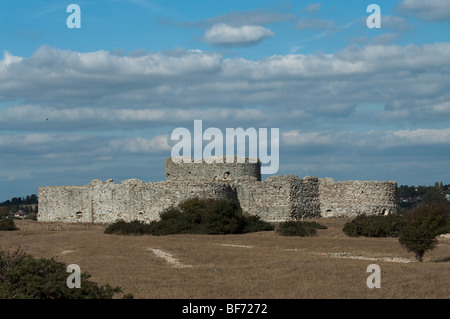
x=101 y=101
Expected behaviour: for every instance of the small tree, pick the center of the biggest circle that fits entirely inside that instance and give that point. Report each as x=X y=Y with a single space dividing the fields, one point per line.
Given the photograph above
x=422 y=227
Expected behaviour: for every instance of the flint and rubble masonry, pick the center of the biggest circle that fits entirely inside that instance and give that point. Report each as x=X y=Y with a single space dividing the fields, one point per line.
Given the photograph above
x=278 y=198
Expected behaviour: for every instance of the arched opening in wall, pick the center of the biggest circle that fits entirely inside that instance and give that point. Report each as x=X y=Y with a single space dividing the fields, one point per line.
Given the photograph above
x=329 y=212
x=385 y=212
x=226 y=175
x=79 y=215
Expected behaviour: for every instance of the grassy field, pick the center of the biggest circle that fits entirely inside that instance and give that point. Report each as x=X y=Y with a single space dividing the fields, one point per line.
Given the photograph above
x=255 y=265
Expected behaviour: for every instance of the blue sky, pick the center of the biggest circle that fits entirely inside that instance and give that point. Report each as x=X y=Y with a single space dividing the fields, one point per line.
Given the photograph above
x=101 y=101
x=129 y=25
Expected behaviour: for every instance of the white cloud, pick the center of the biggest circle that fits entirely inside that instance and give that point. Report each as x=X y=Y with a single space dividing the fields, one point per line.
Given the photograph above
x=371 y=139
x=23 y=141
x=423 y=136
x=77 y=148
x=429 y=10
x=157 y=144
x=93 y=65
x=385 y=38
x=440 y=108
x=313 y=7
x=9 y=59
x=226 y=35
x=299 y=138
x=315 y=24
x=99 y=89
x=107 y=118
x=396 y=23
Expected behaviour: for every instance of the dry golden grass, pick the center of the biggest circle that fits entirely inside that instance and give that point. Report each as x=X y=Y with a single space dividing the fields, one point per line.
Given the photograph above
x=256 y=265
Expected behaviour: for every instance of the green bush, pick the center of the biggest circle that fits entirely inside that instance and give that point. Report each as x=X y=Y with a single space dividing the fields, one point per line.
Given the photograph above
x=24 y=277
x=223 y=217
x=422 y=227
x=299 y=228
x=375 y=226
x=196 y=216
x=187 y=218
x=7 y=224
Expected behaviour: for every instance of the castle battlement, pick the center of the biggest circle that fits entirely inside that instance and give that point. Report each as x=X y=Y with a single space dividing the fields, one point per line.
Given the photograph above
x=278 y=198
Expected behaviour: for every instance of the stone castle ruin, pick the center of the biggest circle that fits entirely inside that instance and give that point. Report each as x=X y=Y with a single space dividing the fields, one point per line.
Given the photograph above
x=278 y=198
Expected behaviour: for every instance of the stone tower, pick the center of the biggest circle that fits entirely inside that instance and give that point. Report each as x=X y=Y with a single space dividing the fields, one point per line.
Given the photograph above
x=210 y=170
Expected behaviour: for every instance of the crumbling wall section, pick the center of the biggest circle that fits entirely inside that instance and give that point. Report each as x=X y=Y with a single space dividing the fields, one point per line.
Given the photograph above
x=151 y=199
x=130 y=200
x=280 y=198
x=269 y=199
x=352 y=198
x=64 y=204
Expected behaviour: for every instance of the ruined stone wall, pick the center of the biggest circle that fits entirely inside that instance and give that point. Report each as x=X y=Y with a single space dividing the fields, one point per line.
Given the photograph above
x=62 y=203
x=130 y=200
x=352 y=198
x=153 y=198
x=269 y=199
x=280 y=198
x=212 y=171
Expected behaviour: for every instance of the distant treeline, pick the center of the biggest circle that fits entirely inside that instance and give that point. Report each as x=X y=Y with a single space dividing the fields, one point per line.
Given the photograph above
x=20 y=201
x=405 y=191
